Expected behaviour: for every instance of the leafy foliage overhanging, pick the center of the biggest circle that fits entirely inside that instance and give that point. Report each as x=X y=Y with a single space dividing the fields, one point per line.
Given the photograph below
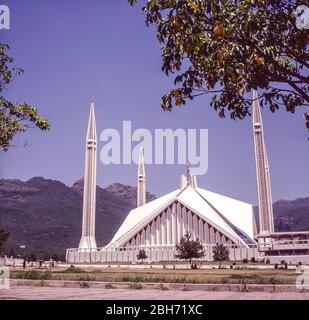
x=229 y=47
x=14 y=118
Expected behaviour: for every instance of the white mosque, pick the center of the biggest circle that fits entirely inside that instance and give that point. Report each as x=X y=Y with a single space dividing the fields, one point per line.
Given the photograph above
x=158 y=225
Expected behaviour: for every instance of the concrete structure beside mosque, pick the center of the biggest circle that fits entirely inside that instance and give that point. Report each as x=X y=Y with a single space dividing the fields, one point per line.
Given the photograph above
x=281 y=246
x=212 y=218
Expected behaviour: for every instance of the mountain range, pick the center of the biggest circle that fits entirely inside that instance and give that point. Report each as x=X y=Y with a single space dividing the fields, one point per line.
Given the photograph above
x=46 y=215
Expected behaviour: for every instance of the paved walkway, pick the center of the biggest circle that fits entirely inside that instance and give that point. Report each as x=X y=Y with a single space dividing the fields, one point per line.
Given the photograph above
x=38 y=293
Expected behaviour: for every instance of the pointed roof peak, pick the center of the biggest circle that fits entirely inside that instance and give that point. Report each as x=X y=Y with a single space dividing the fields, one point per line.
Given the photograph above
x=141 y=155
x=91 y=104
x=141 y=162
x=91 y=132
x=191 y=179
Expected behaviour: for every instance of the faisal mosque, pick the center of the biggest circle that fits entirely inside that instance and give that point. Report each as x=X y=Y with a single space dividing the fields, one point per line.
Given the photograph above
x=157 y=226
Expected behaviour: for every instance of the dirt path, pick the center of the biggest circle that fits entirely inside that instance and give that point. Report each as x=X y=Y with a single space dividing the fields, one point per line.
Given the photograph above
x=35 y=293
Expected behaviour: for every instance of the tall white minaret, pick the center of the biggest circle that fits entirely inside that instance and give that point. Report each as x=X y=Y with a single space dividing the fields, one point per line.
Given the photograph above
x=87 y=240
x=141 y=180
x=262 y=172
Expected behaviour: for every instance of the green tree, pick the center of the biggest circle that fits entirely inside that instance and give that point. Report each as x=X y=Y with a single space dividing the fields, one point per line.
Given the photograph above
x=11 y=252
x=33 y=257
x=142 y=255
x=14 y=118
x=221 y=253
x=3 y=238
x=56 y=256
x=226 y=48
x=189 y=249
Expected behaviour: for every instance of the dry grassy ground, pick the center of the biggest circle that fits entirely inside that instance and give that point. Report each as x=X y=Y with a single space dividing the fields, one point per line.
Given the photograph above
x=275 y=276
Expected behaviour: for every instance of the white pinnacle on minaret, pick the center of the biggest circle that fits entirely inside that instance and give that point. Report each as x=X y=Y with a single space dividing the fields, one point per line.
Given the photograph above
x=141 y=180
x=262 y=172
x=89 y=201
x=192 y=181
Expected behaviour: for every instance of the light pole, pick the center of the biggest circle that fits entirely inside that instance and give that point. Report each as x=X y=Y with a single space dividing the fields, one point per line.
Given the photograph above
x=22 y=248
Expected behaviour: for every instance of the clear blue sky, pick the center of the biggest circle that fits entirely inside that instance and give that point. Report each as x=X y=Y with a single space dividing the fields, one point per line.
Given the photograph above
x=72 y=50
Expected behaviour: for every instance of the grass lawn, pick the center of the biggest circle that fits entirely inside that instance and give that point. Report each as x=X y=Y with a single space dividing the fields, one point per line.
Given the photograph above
x=228 y=276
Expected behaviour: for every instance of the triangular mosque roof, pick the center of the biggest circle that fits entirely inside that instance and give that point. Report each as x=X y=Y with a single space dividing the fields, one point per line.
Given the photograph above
x=231 y=216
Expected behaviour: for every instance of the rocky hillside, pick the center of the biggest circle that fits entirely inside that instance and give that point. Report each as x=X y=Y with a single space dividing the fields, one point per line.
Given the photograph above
x=290 y=215
x=127 y=193
x=45 y=215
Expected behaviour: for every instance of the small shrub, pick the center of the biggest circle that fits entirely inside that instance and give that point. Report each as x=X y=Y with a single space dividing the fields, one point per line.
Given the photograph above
x=282 y=262
x=236 y=276
x=85 y=278
x=253 y=260
x=245 y=260
x=258 y=280
x=35 y=275
x=274 y=280
x=73 y=269
x=267 y=261
x=109 y=286
x=185 y=287
x=135 y=286
x=126 y=278
x=276 y=265
x=136 y=278
x=224 y=280
x=162 y=287
x=85 y=284
x=180 y=279
x=46 y=275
